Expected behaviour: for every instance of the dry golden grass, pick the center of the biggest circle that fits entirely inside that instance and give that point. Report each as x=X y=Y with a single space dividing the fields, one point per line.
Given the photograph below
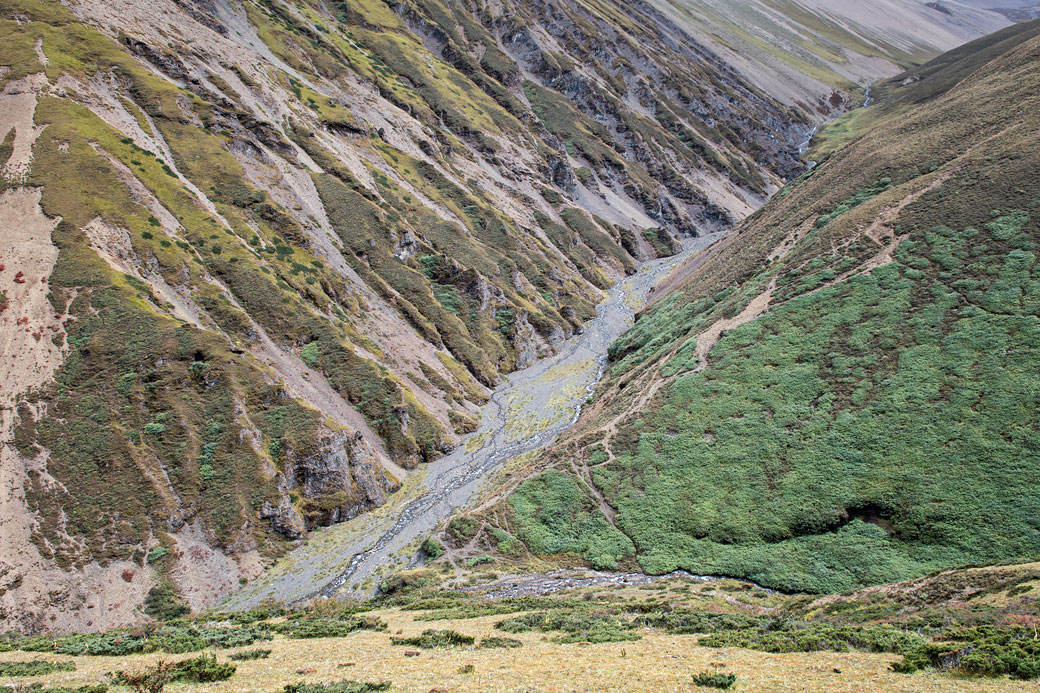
x=656 y=663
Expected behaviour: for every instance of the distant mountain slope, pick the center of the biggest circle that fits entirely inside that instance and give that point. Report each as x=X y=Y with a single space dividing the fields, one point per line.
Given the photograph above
x=801 y=51
x=841 y=392
x=892 y=96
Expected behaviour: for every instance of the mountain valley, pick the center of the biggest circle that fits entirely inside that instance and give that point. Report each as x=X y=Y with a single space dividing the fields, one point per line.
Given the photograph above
x=319 y=316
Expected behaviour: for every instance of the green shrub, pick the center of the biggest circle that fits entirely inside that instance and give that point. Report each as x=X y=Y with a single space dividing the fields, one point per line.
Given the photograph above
x=463 y=528
x=328 y=627
x=815 y=638
x=405 y=581
x=338 y=687
x=577 y=626
x=171 y=639
x=431 y=639
x=155 y=429
x=432 y=548
x=150 y=680
x=156 y=554
x=247 y=655
x=682 y=621
x=39 y=688
x=163 y=602
x=36 y=667
x=713 y=679
x=201 y=669
x=981 y=651
x=497 y=641
x=260 y=613
x=309 y=354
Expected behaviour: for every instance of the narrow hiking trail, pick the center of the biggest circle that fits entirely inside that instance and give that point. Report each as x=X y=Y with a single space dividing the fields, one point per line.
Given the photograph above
x=528 y=411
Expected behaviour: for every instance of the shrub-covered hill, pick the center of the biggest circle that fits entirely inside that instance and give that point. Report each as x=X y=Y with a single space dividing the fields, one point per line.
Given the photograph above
x=844 y=390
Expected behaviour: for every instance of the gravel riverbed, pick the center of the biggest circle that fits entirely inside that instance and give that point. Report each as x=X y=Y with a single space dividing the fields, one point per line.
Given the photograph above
x=526 y=412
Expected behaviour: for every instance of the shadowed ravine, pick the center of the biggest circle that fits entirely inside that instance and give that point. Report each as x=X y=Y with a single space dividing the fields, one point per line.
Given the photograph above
x=526 y=412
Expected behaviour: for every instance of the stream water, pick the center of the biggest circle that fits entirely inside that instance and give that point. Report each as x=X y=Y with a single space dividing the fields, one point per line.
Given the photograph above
x=528 y=411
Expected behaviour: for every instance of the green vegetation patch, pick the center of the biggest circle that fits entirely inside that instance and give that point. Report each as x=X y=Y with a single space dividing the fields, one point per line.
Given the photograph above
x=173 y=639
x=805 y=637
x=432 y=639
x=39 y=688
x=494 y=642
x=715 y=679
x=554 y=516
x=249 y=655
x=201 y=669
x=329 y=627
x=36 y=667
x=981 y=651
x=577 y=626
x=856 y=435
x=338 y=687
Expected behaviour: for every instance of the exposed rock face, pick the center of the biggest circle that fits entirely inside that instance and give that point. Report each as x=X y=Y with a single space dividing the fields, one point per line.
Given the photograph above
x=340 y=481
x=337 y=483
x=527 y=341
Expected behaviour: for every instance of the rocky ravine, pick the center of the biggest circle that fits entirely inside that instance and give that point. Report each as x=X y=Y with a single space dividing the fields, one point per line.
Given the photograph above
x=524 y=414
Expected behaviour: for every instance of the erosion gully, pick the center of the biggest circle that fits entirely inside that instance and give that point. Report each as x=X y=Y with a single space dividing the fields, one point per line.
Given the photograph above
x=528 y=411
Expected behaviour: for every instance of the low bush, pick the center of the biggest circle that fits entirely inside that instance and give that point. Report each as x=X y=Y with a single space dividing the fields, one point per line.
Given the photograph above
x=201 y=669
x=681 y=621
x=260 y=613
x=163 y=602
x=36 y=667
x=496 y=641
x=577 y=626
x=328 y=627
x=713 y=679
x=432 y=548
x=430 y=639
x=981 y=651
x=173 y=639
x=815 y=638
x=150 y=680
x=338 y=687
x=248 y=655
x=39 y=688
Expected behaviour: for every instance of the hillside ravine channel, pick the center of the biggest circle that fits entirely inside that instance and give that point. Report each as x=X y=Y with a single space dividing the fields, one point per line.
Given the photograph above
x=526 y=412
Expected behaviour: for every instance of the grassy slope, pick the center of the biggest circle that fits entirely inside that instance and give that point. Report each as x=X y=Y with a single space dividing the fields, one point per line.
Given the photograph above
x=651 y=637
x=872 y=425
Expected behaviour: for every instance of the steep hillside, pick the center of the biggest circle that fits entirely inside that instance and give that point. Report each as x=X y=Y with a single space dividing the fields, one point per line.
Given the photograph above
x=843 y=390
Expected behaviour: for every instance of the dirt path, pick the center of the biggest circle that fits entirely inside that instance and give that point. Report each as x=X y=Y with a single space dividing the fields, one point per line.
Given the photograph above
x=528 y=412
